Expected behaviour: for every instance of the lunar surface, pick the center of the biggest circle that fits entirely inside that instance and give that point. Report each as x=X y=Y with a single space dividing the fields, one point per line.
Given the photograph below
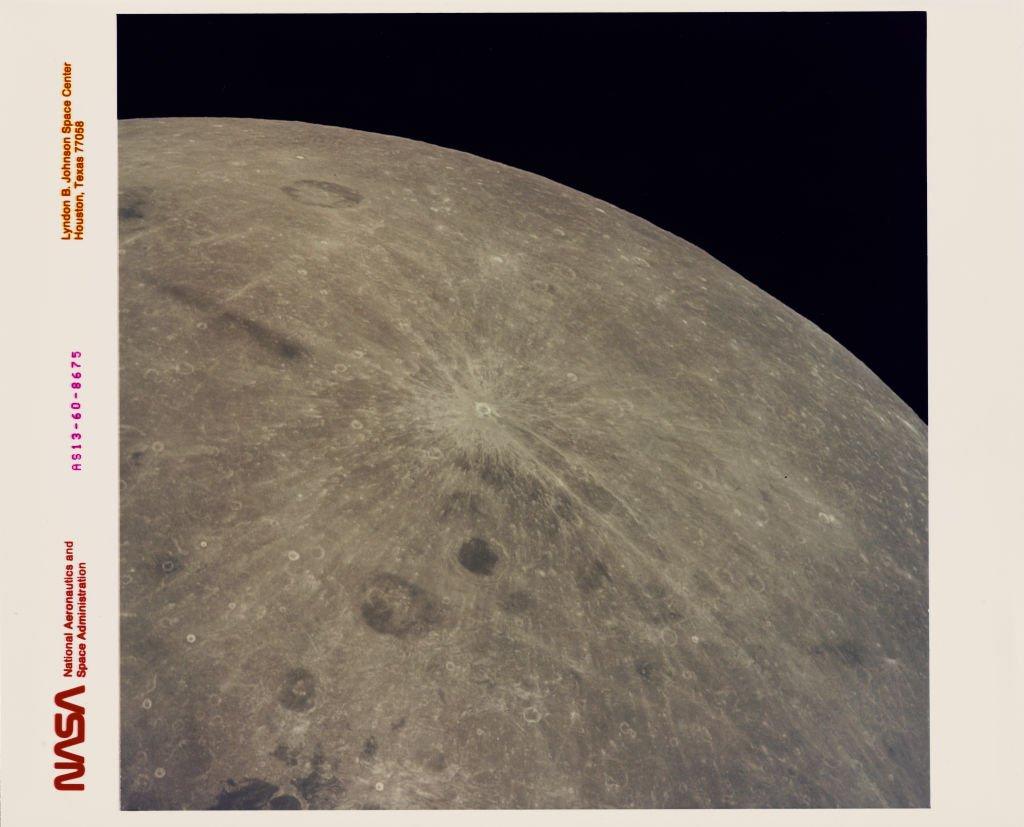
x=446 y=486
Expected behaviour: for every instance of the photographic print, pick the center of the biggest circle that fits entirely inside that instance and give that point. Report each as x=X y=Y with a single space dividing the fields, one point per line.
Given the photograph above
x=523 y=411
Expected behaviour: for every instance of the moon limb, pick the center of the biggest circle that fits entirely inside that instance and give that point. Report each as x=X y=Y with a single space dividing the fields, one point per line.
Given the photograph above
x=482 y=493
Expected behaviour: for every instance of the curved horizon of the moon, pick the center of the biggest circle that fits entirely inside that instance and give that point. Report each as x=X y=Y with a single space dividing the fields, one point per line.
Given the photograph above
x=446 y=486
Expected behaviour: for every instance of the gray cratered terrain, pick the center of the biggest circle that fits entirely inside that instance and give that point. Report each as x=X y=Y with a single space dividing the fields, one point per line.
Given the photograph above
x=446 y=486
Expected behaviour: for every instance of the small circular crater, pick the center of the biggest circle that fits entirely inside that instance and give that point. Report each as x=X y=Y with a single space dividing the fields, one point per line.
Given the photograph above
x=531 y=714
x=293 y=555
x=159 y=772
x=190 y=638
x=477 y=556
x=356 y=425
x=298 y=690
x=379 y=787
x=147 y=704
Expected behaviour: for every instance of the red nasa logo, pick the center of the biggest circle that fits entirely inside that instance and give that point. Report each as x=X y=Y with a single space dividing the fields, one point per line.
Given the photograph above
x=69 y=726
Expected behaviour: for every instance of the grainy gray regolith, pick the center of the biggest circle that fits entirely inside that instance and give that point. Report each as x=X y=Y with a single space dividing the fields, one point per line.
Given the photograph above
x=445 y=486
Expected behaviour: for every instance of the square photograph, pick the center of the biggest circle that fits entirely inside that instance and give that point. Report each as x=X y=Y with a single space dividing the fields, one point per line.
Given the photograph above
x=523 y=411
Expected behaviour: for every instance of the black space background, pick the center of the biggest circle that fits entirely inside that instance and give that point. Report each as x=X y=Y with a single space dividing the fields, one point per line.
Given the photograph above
x=789 y=146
